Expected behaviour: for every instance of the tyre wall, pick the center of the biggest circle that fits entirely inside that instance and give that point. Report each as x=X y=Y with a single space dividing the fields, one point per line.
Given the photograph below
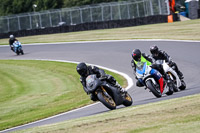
x=90 y=26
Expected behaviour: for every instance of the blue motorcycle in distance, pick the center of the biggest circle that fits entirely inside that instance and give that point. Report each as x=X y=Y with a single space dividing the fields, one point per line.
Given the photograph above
x=17 y=48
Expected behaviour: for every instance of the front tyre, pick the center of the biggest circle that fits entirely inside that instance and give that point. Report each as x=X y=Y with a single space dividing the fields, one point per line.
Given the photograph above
x=127 y=100
x=153 y=89
x=22 y=52
x=183 y=85
x=170 y=92
x=106 y=100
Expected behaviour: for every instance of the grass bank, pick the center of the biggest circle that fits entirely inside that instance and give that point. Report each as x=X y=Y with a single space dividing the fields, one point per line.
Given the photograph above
x=181 y=115
x=31 y=90
x=185 y=30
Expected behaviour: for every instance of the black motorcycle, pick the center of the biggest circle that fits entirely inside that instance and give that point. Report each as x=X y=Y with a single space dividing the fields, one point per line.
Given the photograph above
x=109 y=95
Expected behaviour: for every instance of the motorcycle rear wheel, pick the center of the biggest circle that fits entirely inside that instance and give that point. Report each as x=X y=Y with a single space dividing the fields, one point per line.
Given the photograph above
x=153 y=89
x=127 y=100
x=106 y=100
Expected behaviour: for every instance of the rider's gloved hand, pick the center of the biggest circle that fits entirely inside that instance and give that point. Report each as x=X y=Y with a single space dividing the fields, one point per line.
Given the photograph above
x=170 y=63
x=108 y=77
x=111 y=79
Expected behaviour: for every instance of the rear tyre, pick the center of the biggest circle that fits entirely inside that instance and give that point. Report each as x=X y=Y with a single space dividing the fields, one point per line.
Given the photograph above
x=106 y=100
x=153 y=89
x=127 y=100
x=22 y=52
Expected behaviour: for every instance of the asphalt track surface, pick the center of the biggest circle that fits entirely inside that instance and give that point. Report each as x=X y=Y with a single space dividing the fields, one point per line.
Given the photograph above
x=115 y=55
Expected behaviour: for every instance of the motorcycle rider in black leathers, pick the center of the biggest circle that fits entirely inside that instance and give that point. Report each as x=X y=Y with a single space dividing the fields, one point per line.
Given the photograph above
x=85 y=71
x=11 y=41
x=162 y=55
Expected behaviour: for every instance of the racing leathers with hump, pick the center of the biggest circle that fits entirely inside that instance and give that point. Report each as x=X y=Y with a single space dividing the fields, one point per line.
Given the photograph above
x=141 y=58
x=162 y=55
x=85 y=71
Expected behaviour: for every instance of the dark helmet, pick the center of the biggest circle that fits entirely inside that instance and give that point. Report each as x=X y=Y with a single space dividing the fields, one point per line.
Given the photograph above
x=154 y=50
x=136 y=54
x=82 y=69
x=12 y=37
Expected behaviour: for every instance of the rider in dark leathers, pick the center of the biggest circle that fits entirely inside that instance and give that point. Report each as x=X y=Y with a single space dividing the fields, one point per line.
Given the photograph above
x=162 y=55
x=85 y=71
x=11 y=41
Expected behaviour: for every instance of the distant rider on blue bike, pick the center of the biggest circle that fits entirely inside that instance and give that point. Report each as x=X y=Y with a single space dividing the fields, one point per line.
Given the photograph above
x=11 y=41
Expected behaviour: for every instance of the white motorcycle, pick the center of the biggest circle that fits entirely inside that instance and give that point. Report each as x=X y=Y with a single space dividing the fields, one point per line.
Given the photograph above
x=176 y=82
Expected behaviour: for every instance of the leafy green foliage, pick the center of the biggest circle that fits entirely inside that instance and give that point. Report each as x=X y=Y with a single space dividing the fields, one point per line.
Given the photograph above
x=8 y=7
x=70 y=3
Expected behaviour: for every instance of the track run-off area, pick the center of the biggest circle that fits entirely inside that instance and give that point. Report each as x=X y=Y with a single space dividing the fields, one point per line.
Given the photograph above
x=115 y=56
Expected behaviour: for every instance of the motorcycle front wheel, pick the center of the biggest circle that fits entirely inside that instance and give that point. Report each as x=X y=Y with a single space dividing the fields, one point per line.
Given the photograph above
x=106 y=100
x=174 y=83
x=153 y=89
x=183 y=85
x=22 y=52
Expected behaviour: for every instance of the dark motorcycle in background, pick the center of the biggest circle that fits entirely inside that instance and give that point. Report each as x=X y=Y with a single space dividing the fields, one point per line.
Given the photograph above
x=107 y=94
x=17 y=48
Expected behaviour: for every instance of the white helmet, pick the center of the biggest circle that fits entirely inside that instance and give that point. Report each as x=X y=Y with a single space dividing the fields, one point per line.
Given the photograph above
x=12 y=36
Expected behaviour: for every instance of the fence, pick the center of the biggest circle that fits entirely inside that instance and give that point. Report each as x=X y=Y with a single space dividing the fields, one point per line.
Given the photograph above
x=77 y=15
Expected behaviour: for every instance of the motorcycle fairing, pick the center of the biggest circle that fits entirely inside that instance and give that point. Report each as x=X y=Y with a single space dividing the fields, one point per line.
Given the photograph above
x=141 y=67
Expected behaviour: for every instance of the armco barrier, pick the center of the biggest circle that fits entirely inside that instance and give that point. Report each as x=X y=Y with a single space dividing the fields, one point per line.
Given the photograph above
x=90 y=26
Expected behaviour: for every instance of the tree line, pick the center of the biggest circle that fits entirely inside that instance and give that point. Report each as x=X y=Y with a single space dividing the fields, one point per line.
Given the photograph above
x=8 y=7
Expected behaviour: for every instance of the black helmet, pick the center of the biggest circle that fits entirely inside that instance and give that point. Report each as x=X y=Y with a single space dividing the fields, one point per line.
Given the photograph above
x=82 y=69
x=154 y=50
x=136 y=54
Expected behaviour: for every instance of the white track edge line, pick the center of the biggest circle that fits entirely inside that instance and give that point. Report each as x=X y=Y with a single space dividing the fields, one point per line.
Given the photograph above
x=129 y=80
x=169 y=40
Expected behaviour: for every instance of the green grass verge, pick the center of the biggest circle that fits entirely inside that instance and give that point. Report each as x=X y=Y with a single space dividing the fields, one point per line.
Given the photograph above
x=185 y=30
x=181 y=115
x=31 y=90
